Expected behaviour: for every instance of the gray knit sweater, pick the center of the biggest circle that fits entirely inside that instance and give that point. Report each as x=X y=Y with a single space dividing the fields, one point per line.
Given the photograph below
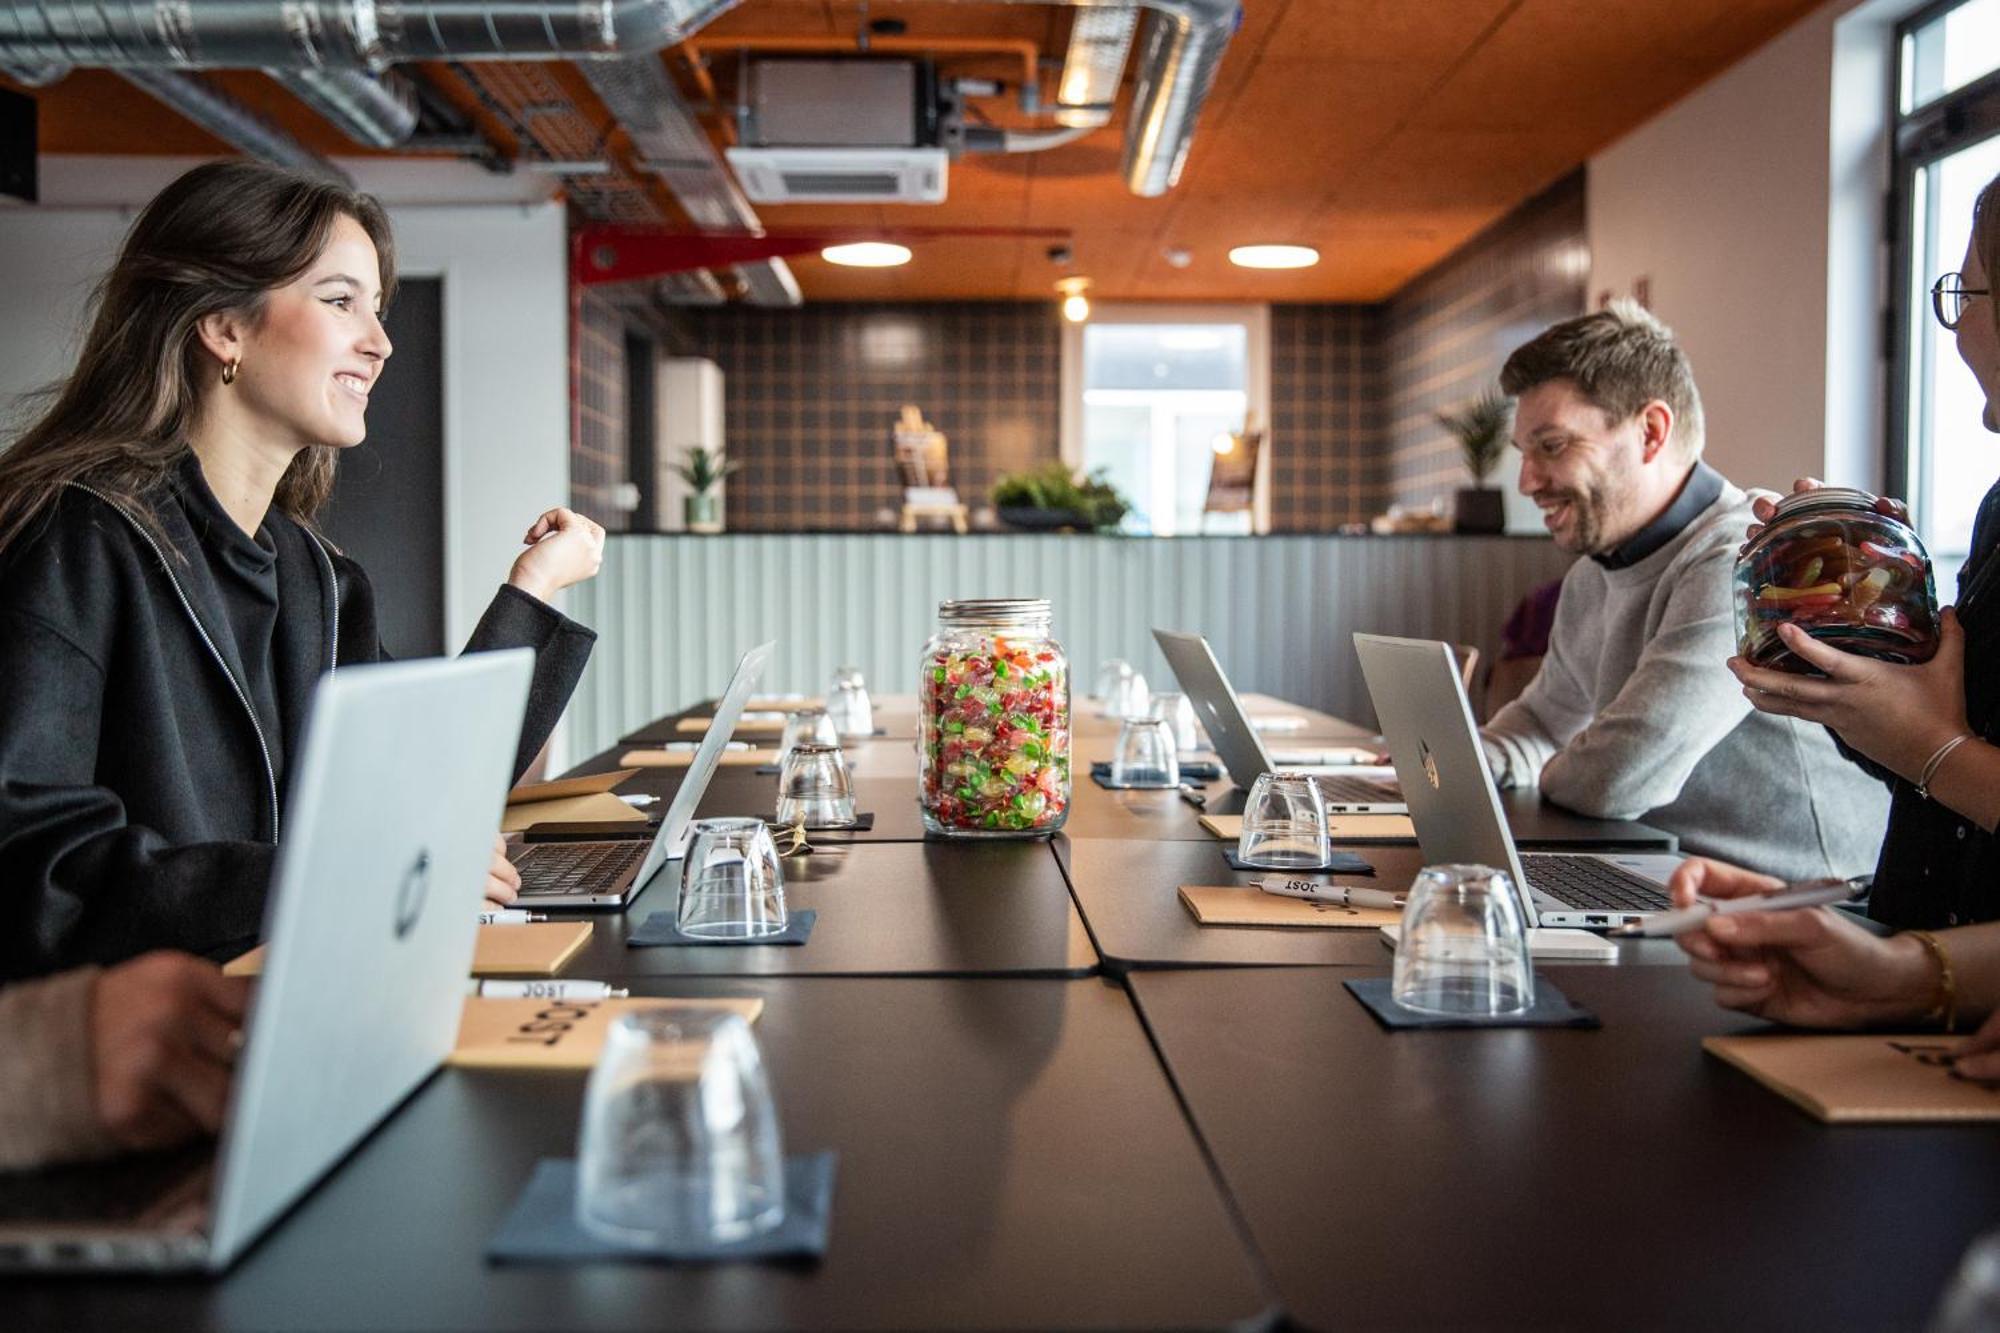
x=1634 y=715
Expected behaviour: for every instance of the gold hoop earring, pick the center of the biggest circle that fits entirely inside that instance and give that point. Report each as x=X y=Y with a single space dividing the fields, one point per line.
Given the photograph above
x=229 y=371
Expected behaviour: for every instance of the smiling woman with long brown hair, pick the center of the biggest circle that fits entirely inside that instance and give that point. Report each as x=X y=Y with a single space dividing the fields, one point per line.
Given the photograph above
x=166 y=603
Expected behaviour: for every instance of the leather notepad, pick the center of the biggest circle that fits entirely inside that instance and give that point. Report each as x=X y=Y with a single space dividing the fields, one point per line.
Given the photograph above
x=683 y=758
x=1341 y=828
x=555 y=1034
x=597 y=808
x=535 y=949
x=750 y=724
x=1872 y=1079
x=1236 y=905
x=782 y=703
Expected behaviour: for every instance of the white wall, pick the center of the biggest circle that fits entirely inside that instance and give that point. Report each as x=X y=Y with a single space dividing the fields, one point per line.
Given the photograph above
x=1753 y=209
x=506 y=330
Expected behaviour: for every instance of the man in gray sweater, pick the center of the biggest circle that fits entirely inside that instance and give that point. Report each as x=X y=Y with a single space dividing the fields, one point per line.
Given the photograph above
x=1633 y=714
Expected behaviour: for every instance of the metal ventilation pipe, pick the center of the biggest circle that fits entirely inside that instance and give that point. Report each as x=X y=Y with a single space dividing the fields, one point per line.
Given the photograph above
x=232 y=122
x=673 y=146
x=1099 y=41
x=340 y=34
x=379 y=110
x=1184 y=43
x=34 y=76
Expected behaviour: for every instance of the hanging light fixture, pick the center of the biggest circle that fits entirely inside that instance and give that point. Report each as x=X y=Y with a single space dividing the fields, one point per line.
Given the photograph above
x=1075 y=305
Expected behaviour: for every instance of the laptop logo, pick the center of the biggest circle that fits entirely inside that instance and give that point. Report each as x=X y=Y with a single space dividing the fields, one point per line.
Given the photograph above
x=1430 y=763
x=410 y=895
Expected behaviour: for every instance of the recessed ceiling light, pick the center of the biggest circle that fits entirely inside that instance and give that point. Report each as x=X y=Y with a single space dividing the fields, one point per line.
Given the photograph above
x=867 y=254
x=1274 y=256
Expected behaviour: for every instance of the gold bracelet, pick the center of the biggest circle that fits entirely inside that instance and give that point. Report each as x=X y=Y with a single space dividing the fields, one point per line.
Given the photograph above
x=1945 y=1009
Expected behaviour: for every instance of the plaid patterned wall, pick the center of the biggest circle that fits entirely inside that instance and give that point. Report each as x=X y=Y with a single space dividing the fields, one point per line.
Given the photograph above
x=597 y=410
x=1446 y=335
x=1327 y=467
x=810 y=394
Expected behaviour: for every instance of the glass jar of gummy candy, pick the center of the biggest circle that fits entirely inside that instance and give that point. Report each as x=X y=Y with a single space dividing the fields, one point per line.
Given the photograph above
x=1834 y=564
x=993 y=743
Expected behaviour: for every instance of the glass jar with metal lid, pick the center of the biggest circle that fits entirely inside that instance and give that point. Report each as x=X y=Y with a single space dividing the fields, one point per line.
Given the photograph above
x=993 y=741
x=1840 y=566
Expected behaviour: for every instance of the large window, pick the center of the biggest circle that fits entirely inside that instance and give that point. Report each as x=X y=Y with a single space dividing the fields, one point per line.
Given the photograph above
x=1947 y=148
x=1152 y=395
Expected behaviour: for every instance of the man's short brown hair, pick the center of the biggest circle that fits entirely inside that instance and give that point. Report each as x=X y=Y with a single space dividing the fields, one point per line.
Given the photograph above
x=1620 y=358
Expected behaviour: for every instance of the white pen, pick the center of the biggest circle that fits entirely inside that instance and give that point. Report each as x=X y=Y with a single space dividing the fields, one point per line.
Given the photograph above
x=1339 y=894
x=511 y=916
x=546 y=990
x=638 y=799
x=1813 y=893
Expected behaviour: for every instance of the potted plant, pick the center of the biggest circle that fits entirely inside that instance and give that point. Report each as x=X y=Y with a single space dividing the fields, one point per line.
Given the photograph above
x=703 y=470
x=1049 y=498
x=1481 y=430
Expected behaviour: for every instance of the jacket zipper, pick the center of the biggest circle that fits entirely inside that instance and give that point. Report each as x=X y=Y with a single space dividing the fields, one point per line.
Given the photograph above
x=242 y=696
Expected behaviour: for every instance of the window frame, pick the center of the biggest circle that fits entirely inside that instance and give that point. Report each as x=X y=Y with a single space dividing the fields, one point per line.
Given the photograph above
x=1256 y=322
x=1919 y=139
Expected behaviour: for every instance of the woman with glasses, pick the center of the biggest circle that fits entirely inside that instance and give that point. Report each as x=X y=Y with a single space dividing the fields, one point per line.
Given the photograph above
x=1929 y=731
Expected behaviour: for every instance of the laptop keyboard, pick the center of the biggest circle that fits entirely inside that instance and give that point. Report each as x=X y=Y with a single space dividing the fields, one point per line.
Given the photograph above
x=1356 y=791
x=574 y=869
x=1583 y=881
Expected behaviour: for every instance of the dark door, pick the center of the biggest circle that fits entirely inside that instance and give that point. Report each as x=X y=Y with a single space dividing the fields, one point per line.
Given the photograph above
x=387 y=510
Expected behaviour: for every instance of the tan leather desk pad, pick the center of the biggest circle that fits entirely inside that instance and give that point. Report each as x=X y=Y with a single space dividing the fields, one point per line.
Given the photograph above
x=555 y=1034
x=585 y=800
x=1872 y=1079
x=1342 y=828
x=683 y=758
x=1237 y=905
x=535 y=949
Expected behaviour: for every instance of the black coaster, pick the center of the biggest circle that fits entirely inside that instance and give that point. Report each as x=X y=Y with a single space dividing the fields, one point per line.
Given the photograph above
x=864 y=820
x=542 y=1228
x=1552 y=1009
x=1199 y=771
x=659 y=930
x=1340 y=863
x=1105 y=782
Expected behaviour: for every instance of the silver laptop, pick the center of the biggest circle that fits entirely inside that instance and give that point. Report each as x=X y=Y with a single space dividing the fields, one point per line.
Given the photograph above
x=609 y=873
x=1240 y=748
x=1420 y=701
x=370 y=929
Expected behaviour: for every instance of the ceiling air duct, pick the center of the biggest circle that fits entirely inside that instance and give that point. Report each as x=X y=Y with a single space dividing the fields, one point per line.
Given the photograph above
x=338 y=34
x=673 y=146
x=230 y=121
x=379 y=110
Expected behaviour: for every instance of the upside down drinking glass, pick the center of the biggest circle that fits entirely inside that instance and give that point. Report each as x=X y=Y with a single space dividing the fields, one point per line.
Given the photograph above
x=679 y=1146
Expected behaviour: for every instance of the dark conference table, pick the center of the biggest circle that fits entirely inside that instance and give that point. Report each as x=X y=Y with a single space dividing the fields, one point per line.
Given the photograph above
x=1011 y=1156
x=1551 y=1178
x=1203 y=1134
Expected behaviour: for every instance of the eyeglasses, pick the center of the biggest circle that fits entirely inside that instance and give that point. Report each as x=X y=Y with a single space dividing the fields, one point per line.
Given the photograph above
x=1950 y=296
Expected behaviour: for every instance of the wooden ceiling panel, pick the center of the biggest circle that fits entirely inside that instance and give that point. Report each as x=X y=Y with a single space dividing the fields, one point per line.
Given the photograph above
x=1592 y=71
x=1434 y=31
x=944 y=269
x=1385 y=132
